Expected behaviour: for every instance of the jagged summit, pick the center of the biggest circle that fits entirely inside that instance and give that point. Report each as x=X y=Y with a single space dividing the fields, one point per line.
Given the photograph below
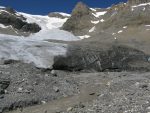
x=80 y=9
x=133 y=2
x=79 y=20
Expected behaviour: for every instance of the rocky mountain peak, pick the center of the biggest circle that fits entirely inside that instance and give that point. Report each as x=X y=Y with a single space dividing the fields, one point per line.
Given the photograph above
x=80 y=19
x=133 y=2
x=80 y=9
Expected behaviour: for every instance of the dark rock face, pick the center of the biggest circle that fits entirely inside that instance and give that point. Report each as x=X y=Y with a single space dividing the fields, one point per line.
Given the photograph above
x=80 y=19
x=10 y=10
x=80 y=10
x=132 y=2
x=116 y=58
x=55 y=14
x=8 y=17
x=3 y=85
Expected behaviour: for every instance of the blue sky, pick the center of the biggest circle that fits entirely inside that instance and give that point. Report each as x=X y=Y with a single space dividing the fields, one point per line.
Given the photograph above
x=43 y=7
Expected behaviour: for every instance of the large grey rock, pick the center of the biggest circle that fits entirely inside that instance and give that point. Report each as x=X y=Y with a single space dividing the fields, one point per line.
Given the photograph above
x=114 y=58
x=3 y=85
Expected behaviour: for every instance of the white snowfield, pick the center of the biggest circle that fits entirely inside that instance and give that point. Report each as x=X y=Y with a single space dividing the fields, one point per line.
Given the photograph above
x=49 y=27
x=35 y=49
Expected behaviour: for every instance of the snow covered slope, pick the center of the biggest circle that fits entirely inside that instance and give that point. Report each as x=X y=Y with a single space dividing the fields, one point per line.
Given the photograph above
x=34 y=48
x=50 y=28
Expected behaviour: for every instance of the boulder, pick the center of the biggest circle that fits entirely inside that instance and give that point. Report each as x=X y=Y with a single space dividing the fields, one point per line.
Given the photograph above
x=115 y=58
x=3 y=85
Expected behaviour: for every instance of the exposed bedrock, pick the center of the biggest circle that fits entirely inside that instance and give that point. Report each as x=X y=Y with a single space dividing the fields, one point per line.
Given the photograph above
x=80 y=20
x=9 y=17
x=114 y=58
x=137 y=1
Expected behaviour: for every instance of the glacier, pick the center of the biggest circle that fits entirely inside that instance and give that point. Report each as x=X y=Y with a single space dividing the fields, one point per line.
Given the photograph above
x=35 y=48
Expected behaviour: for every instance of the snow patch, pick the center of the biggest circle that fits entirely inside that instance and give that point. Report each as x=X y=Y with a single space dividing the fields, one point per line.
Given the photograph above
x=125 y=27
x=113 y=33
x=93 y=9
x=3 y=26
x=144 y=4
x=95 y=22
x=120 y=31
x=132 y=9
x=85 y=36
x=64 y=14
x=147 y=25
x=102 y=20
x=92 y=29
x=98 y=14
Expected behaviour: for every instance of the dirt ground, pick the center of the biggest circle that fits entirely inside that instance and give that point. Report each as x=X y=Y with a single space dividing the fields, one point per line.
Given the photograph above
x=74 y=92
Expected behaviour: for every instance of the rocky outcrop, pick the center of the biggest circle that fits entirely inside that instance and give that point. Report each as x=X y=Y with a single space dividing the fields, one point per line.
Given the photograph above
x=58 y=15
x=8 y=17
x=80 y=20
x=134 y=2
x=115 y=58
x=3 y=85
x=126 y=16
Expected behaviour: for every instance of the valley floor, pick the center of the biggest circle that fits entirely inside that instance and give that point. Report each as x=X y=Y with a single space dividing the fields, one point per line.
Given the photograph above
x=33 y=90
